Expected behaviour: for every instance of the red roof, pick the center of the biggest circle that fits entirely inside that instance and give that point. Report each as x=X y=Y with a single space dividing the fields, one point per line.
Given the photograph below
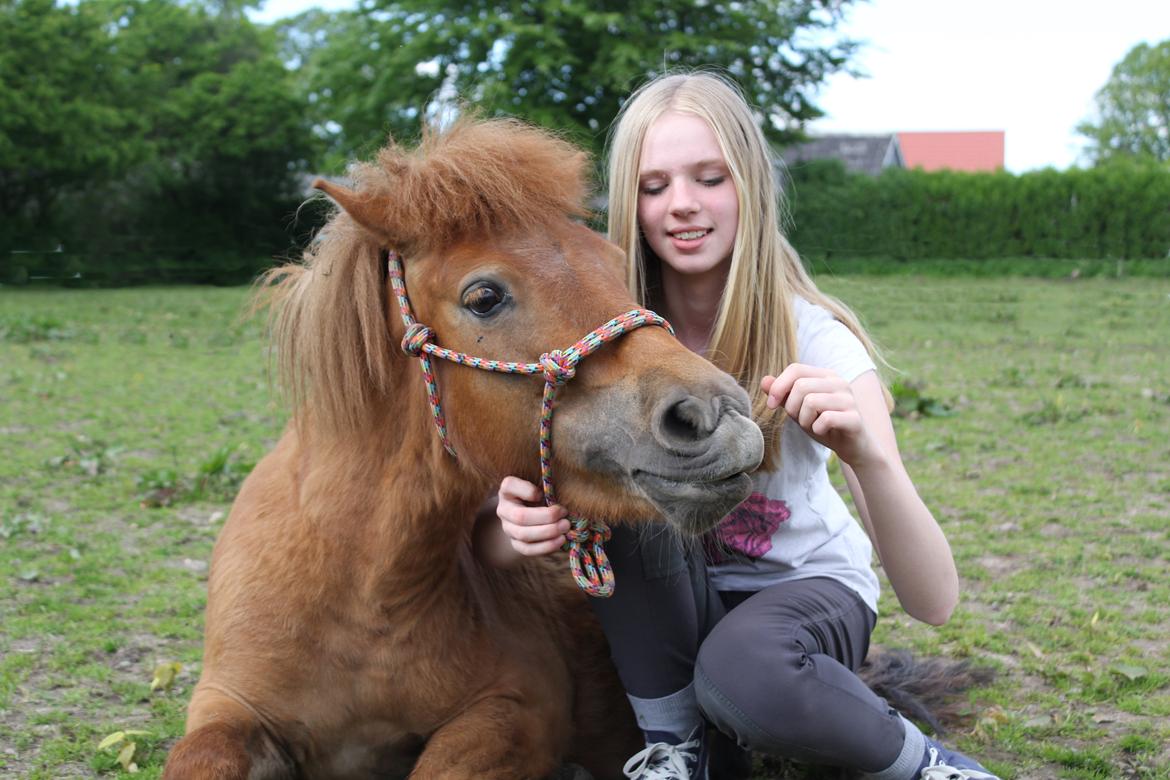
x=958 y=151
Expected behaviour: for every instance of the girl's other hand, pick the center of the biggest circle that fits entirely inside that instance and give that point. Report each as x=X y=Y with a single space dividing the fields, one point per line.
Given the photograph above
x=823 y=404
x=531 y=528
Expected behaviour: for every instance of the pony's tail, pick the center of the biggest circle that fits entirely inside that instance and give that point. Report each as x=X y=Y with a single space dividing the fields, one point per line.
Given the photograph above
x=926 y=690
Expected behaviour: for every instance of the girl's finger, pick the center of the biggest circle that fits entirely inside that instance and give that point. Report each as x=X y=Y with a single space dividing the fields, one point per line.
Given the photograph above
x=535 y=549
x=816 y=405
x=521 y=514
x=808 y=411
x=518 y=489
x=536 y=533
x=781 y=386
x=835 y=422
x=803 y=388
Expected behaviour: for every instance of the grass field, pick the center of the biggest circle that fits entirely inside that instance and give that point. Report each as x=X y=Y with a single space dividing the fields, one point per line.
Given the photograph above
x=1039 y=433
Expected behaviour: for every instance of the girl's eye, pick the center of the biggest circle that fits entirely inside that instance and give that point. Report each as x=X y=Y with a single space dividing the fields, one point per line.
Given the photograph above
x=484 y=299
x=714 y=181
x=652 y=189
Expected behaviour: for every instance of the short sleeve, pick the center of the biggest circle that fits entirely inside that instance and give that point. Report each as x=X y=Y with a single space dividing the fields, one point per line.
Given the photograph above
x=824 y=341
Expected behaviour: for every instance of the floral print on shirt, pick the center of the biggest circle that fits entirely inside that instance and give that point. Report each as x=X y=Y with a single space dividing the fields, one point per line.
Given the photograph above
x=748 y=529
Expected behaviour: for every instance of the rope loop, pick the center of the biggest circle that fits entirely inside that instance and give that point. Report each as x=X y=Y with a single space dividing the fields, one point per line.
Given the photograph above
x=417 y=336
x=588 y=562
x=558 y=367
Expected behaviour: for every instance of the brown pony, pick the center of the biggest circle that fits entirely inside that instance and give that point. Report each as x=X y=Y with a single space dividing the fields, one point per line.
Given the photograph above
x=351 y=629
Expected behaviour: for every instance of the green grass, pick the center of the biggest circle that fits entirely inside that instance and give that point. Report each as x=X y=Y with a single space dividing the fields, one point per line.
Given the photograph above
x=1037 y=428
x=112 y=399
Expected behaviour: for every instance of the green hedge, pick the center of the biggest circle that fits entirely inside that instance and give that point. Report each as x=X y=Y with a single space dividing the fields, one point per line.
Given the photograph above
x=1109 y=213
x=226 y=242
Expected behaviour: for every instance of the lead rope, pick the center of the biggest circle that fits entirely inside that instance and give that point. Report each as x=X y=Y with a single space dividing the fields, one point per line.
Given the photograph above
x=587 y=559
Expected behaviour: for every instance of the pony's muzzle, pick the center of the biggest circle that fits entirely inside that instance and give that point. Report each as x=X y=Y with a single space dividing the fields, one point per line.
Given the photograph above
x=695 y=465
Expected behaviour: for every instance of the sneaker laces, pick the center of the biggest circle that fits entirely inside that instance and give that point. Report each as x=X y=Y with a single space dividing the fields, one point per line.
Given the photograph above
x=664 y=761
x=937 y=769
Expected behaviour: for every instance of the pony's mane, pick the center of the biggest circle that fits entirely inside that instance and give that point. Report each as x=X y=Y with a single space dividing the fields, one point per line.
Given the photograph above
x=477 y=180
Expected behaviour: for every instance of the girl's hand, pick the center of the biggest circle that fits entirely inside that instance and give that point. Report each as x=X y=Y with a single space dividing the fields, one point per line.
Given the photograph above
x=531 y=528
x=823 y=404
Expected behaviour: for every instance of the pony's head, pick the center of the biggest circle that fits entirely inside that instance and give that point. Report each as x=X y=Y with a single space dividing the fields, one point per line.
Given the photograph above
x=497 y=265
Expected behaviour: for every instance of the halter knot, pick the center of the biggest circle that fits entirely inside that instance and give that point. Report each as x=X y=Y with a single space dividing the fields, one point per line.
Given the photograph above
x=558 y=367
x=417 y=336
x=584 y=531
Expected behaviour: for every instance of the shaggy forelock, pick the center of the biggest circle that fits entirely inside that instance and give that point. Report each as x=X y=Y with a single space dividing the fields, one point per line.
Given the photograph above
x=477 y=178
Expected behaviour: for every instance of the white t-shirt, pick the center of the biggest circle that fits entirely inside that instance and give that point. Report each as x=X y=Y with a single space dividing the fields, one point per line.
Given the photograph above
x=794 y=525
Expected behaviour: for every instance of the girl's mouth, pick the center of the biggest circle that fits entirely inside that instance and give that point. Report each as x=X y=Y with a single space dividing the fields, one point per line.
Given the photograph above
x=689 y=235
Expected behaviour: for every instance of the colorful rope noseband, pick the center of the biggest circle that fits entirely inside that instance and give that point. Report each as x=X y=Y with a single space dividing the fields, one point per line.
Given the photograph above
x=587 y=559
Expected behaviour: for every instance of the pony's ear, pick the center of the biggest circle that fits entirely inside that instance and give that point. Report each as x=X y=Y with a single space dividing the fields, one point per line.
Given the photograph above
x=370 y=211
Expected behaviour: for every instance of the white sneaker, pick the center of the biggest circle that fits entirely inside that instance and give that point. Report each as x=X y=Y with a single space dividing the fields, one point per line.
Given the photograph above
x=663 y=761
x=938 y=768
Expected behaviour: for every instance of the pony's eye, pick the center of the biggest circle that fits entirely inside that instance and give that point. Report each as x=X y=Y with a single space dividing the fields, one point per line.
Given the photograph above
x=484 y=299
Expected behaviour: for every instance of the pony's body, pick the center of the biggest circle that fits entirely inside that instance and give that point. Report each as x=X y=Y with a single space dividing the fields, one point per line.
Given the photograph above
x=351 y=629
x=348 y=692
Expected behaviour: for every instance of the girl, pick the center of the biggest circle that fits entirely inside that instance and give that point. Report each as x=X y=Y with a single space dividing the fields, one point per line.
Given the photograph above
x=693 y=202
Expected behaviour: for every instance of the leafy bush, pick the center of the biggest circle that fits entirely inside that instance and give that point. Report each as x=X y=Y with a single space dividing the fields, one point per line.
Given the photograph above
x=910 y=402
x=32 y=327
x=1117 y=212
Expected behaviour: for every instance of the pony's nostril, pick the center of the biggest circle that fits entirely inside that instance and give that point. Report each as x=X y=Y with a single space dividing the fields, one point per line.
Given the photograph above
x=689 y=420
x=697 y=424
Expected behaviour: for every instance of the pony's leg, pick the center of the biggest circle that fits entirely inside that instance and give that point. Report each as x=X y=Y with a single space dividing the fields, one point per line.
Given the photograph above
x=224 y=741
x=497 y=739
x=605 y=733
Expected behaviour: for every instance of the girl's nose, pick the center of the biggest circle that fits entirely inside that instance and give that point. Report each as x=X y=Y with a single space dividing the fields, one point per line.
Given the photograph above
x=683 y=200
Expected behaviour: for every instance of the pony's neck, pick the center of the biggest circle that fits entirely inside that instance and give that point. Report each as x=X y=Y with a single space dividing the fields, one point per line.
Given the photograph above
x=400 y=500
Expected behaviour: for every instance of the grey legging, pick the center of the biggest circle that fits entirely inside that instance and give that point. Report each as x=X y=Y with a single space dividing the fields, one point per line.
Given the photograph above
x=776 y=672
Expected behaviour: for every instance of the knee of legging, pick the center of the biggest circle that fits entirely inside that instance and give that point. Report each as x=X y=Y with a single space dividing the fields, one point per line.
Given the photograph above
x=741 y=675
x=725 y=662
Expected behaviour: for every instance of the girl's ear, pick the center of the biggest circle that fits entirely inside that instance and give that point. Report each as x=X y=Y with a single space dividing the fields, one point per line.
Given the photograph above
x=368 y=210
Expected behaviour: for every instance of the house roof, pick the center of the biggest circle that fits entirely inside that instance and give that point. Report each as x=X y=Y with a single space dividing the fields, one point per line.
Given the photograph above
x=860 y=153
x=958 y=151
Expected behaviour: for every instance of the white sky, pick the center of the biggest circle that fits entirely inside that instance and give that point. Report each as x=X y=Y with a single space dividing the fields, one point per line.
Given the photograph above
x=1028 y=67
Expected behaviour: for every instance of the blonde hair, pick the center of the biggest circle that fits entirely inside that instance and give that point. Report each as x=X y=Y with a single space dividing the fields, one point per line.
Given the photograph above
x=755 y=328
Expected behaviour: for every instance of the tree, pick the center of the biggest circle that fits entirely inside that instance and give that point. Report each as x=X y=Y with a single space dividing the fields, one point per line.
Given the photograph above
x=61 y=119
x=1133 y=108
x=564 y=64
x=152 y=138
x=226 y=130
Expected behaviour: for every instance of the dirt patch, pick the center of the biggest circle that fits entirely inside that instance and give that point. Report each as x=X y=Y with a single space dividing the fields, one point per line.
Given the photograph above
x=202 y=515
x=1000 y=565
x=45 y=707
x=1055 y=530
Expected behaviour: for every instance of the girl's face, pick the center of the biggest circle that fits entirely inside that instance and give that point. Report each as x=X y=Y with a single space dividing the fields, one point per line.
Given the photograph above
x=687 y=207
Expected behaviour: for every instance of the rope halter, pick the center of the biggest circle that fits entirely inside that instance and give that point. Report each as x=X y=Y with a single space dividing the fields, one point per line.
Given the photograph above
x=587 y=559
